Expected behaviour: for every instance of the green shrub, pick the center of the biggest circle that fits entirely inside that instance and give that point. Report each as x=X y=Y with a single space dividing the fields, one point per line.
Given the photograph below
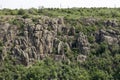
x=26 y=16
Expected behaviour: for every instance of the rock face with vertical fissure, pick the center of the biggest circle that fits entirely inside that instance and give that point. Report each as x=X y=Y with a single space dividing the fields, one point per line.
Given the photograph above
x=35 y=41
x=28 y=40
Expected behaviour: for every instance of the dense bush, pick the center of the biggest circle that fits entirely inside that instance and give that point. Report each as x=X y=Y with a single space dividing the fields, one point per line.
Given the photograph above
x=94 y=68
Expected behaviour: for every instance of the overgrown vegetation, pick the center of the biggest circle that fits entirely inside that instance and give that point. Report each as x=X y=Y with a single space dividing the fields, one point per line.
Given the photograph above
x=103 y=62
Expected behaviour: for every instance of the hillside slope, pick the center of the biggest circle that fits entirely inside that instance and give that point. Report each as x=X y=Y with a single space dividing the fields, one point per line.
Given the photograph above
x=34 y=43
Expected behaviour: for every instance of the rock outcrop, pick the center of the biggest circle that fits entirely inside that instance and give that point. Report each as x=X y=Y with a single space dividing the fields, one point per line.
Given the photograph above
x=109 y=35
x=28 y=40
x=112 y=23
x=35 y=41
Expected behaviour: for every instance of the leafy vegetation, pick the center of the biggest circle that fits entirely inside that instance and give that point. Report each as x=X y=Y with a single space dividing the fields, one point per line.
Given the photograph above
x=103 y=62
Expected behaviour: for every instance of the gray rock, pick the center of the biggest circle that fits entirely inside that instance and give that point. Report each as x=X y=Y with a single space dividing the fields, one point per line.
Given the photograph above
x=83 y=44
x=37 y=41
x=110 y=36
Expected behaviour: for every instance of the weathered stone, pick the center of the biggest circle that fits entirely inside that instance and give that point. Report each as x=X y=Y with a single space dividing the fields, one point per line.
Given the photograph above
x=107 y=35
x=83 y=44
x=51 y=37
x=81 y=58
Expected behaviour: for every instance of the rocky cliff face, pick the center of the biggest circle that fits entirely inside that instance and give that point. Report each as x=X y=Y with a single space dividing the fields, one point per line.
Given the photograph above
x=37 y=40
x=28 y=40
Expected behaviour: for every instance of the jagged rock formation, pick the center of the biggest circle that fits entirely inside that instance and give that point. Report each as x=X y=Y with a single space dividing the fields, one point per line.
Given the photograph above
x=35 y=41
x=110 y=36
x=32 y=40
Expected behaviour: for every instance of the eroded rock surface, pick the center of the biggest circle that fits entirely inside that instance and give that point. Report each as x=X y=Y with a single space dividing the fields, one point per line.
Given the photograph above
x=35 y=41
